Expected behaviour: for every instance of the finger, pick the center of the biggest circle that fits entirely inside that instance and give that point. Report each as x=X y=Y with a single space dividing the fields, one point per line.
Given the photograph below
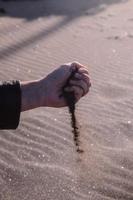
x=83 y=71
x=78 y=92
x=77 y=76
x=77 y=65
x=82 y=84
x=84 y=77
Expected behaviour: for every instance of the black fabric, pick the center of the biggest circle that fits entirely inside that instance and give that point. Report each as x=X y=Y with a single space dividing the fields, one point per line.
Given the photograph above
x=10 y=104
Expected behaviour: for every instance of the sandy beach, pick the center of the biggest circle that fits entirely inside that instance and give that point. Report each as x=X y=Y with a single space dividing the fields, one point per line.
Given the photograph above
x=38 y=160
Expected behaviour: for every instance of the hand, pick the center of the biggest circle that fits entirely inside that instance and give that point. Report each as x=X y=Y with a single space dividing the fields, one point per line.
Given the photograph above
x=51 y=86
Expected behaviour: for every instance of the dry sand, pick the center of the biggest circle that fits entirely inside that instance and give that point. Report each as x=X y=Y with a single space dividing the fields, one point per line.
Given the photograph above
x=38 y=160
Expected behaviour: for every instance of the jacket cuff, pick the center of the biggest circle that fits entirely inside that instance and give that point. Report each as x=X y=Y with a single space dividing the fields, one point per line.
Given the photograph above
x=10 y=104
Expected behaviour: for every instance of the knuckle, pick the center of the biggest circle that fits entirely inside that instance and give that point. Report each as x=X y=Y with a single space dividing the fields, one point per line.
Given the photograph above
x=75 y=62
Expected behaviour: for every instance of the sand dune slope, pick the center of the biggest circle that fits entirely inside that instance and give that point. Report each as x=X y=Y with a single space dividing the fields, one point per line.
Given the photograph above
x=38 y=160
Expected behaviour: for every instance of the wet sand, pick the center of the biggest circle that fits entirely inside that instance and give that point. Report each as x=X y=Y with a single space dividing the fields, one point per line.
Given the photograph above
x=38 y=160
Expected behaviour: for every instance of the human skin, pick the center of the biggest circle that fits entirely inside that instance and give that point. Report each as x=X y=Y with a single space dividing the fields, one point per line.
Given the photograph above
x=47 y=91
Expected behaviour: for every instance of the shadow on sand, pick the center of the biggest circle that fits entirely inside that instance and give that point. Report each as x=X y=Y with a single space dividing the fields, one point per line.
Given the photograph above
x=34 y=9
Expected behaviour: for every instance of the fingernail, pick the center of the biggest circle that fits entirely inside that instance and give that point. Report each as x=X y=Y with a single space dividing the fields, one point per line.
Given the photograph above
x=77 y=75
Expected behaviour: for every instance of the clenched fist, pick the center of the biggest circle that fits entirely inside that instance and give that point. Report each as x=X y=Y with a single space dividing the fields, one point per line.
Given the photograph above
x=48 y=90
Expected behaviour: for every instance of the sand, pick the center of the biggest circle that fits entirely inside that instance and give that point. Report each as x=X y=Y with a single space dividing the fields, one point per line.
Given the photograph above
x=38 y=160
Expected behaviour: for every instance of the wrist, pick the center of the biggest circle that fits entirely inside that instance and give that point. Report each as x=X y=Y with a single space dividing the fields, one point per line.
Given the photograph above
x=30 y=95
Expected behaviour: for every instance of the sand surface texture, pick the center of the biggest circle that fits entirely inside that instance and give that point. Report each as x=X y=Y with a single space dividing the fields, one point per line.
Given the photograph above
x=38 y=160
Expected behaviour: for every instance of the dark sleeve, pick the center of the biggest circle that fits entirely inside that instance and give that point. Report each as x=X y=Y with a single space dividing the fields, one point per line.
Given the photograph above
x=10 y=104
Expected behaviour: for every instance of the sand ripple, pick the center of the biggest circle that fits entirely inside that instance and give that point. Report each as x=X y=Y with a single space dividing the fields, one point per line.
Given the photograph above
x=38 y=160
